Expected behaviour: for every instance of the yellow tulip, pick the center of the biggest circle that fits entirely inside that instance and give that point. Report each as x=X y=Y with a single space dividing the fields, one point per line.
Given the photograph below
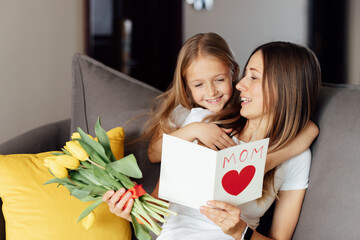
x=88 y=221
x=76 y=135
x=46 y=162
x=75 y=149
x=56 y=169
x=67 y=161
x=47 y=159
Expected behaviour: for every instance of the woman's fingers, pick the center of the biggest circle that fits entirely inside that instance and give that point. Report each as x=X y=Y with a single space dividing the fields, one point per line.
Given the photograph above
x=118 y=203
x=106 y=197
x=216 y=205
x=116 y=197
x=216 y=210
x=225 y=215
x=119 y=207
x=129 y=206
x=214 y=214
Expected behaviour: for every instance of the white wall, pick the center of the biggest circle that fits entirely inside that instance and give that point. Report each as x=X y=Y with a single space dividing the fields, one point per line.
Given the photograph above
x=37 y=41
x=245 y=24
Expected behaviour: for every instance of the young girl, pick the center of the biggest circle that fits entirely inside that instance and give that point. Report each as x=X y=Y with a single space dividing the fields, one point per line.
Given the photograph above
x=205 y=76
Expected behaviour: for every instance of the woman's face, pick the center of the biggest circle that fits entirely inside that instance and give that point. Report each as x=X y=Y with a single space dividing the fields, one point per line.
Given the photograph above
x=210 y=83
x=250 y=87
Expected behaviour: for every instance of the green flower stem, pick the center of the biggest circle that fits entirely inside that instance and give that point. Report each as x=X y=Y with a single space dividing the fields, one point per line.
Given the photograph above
x=94 y=163
x=157 y=210
x=154 y=214
x=164 y=209
x=143 y=216
x=151 y=228
x=150 y=198
x=143 y=213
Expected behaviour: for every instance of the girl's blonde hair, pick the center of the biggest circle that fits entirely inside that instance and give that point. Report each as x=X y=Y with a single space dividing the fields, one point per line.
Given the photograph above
x=291 y=83
x=203 y=44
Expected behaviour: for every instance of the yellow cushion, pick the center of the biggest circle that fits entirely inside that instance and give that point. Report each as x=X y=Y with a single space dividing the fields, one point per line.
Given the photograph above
x=36 y=211
x=117 y=137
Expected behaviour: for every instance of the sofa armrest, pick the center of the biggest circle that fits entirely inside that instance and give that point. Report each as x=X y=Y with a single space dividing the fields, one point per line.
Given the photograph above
x=42 y=139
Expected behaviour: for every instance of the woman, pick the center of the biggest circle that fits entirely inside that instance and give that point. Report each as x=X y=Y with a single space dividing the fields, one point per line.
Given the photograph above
x=278 y=92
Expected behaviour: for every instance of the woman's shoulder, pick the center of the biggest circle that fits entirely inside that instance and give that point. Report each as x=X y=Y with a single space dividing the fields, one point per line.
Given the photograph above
x=300 y=161
x=294 y=173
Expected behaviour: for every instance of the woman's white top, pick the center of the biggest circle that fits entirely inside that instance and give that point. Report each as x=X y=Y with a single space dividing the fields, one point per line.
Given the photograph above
x=191 y=224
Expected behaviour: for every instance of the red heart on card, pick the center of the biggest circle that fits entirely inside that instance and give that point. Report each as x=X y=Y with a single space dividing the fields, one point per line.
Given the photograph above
x=234 y=183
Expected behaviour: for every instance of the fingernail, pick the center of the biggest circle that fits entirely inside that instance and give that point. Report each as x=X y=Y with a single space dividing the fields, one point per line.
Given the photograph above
x=122 y=190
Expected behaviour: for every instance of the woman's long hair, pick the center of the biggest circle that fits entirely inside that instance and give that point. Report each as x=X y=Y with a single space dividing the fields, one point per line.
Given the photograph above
x=291 y=83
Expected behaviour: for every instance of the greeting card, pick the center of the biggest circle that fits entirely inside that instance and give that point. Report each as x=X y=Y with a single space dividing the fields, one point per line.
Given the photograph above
x=192 y=174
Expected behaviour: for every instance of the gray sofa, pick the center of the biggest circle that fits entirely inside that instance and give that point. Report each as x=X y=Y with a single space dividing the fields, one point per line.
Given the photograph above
x=330 y=209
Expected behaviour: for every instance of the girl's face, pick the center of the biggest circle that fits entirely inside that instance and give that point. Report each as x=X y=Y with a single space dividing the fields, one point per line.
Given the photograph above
x=250 y=87
x=210 y=82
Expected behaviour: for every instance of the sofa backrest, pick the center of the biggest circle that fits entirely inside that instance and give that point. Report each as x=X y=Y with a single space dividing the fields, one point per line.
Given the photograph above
x=99 y=91
x=330 y=209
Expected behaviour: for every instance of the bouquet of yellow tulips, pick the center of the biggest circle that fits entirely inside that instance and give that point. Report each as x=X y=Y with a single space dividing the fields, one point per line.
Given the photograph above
x=87 y=168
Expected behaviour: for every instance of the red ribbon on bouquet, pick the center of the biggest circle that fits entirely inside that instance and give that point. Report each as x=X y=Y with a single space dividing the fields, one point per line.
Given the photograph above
x=136 y=191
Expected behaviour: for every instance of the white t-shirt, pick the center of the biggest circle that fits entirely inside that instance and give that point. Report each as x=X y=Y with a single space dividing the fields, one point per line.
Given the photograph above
x=191 y=224
x=196 y=115
x=178 y=116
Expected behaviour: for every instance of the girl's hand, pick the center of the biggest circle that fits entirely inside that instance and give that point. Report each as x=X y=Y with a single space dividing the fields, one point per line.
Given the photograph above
x=116 y=203
x=212 y=136
x=226 y=216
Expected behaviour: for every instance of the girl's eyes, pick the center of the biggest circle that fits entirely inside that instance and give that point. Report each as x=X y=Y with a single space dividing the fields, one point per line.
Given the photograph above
x=201 y=84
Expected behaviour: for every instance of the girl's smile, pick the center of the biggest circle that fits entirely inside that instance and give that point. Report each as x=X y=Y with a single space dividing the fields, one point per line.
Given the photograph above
x=214 y=101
